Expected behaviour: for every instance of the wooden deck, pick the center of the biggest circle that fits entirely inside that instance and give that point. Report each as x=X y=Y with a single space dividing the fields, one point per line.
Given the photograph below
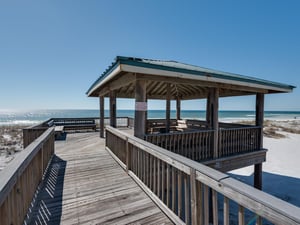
x=85 y=185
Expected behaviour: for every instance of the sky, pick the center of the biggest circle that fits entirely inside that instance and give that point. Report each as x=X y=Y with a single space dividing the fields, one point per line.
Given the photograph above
x=52 y=51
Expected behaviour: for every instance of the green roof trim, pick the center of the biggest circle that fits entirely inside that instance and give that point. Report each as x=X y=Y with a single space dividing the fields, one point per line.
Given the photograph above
x=178 y=67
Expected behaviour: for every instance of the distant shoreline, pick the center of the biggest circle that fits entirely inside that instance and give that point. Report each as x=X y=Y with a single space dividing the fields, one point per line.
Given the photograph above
x=36 y=116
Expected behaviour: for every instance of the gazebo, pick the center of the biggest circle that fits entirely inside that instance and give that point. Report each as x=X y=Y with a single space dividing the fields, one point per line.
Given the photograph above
x=219 y=145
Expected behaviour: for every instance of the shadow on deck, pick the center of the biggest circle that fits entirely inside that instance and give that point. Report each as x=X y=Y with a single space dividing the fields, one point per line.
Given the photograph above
x=47 y=203
x=283 y=187
x=84 y=184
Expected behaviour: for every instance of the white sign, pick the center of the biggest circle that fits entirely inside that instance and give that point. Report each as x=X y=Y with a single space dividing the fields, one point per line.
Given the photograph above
x=141 y=106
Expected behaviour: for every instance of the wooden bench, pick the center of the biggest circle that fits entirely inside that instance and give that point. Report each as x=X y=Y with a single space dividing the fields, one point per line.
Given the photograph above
x=181 y=125
x=76 y=124
x=59 y=132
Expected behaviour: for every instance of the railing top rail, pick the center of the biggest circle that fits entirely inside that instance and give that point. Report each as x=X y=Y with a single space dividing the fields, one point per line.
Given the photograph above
x=10 y=174
x=265 y=205
x=240 y=128
x=44 y=123
x=181 y=132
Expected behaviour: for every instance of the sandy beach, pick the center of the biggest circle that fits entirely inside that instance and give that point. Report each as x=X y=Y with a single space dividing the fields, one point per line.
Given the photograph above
x=11 y=142
x=281 y=171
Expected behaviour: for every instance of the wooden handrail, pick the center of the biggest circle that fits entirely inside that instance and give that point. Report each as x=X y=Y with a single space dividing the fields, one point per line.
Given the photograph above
x=164 y=175
x=19 y=180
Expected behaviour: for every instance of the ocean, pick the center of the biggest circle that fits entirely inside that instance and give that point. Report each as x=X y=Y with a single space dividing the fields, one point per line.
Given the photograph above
x=37 y=116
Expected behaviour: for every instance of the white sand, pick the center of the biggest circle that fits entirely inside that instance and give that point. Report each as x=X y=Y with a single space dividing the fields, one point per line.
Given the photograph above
x=281 y=171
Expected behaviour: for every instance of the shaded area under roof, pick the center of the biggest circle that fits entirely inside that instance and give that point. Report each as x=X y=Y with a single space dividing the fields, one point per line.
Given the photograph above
x=161 y=71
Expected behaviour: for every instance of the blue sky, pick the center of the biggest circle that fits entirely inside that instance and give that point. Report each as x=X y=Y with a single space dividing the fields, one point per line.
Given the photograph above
x=52 y=51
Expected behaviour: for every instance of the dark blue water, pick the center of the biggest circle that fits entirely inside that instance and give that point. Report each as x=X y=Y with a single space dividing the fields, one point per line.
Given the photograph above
x=36 y=116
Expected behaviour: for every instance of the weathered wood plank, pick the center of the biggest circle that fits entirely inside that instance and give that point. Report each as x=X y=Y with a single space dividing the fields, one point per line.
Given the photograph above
x=92 y=189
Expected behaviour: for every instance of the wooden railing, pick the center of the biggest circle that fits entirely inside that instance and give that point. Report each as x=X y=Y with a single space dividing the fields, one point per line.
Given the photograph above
x=196 y=145
x=130 y=122
x=121 y=121
x=196 y=124
x=32 y=133
x=186 y=190
x=234 y=141
x=19 y=180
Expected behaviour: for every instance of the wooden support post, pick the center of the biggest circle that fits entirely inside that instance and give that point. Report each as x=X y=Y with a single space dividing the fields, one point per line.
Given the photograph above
x=146 y=118
x=260 y=116
x=215 y=121
x=140 y=108
x=113 y=109
x=168 y=108
x=101 y=101
x=259 y=122
x=178 y=108
x=212 y=117
x=208 y=110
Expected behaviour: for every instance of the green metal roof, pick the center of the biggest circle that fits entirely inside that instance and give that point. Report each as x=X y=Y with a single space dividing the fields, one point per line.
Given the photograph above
x=174 y=66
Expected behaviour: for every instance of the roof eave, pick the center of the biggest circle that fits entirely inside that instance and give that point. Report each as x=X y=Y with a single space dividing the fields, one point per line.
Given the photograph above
x=135 y=65
x=116 y=68
x=205 y=77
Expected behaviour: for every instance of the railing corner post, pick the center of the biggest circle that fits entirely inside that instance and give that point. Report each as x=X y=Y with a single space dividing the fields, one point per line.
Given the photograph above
x=193 y=192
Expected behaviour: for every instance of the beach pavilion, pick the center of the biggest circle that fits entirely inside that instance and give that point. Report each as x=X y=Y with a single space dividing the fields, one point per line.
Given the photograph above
x=221 y=146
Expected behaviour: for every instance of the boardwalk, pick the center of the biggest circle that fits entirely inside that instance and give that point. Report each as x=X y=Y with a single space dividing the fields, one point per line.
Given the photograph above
x=84 y=185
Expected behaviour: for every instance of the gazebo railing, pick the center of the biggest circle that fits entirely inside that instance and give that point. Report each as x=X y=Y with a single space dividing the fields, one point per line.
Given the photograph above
x=234 y=141
x=195 y=145
x=182 y=187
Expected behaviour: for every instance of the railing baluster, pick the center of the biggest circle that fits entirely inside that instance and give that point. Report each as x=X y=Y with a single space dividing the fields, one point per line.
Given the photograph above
x=145 y=167
x=179 y=194
x=199 y=204
x=158 y=178
x=206 y=205
x=173 y=188
x=168 y=185
x=241 y=215
x=186 y=199
x=226 y=211
x=154 y=175
x=258 y=220
x=151 y=172
x=163 y=181
x=128 y=157
x=138 y=163
x=215 y=206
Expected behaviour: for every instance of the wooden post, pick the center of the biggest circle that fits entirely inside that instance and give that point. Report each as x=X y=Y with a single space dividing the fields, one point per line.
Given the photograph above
x=112 y=109
x=212 y=117
x=259 y=122
x=146 y=118
x=193 y=191
x=168 y=108
x=208 y=109
x=101 y=101
x=140 y=108
x=178 y=108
